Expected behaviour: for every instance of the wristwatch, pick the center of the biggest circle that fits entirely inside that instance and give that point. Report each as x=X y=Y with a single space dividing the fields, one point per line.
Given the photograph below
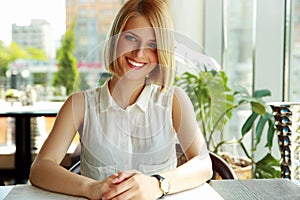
x=164 y=184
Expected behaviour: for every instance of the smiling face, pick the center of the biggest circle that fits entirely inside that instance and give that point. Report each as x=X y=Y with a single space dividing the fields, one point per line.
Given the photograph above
x=136 y=49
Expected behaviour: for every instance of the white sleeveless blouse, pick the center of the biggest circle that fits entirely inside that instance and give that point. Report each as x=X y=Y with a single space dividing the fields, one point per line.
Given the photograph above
x=140 y=137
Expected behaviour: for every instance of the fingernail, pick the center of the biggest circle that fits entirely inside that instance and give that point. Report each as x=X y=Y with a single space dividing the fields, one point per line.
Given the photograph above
x=114 y=180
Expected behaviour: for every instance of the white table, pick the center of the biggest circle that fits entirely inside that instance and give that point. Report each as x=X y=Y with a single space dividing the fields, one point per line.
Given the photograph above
x=260 y=189
x=29 y=192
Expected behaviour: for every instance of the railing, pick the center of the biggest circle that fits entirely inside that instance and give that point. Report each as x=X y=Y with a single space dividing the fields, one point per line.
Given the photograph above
x=287 y=121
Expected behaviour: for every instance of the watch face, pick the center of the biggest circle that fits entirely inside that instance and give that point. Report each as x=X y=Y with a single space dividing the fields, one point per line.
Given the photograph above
x=165 y=186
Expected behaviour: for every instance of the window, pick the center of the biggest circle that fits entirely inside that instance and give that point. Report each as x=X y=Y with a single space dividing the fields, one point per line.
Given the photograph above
x=69 y=2
x=295 y=53
x=244 y=39
x=83 y=13
x=82 y=1
x=238 y=63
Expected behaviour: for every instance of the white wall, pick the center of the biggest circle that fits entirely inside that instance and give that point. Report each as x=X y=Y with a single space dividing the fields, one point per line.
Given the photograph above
x=188 y=17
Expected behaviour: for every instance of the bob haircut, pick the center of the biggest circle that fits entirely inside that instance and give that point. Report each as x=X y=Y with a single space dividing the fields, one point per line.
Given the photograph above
x=156 y=11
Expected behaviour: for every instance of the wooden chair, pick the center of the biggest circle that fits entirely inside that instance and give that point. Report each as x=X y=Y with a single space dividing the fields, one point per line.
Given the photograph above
x=75 y=168
x=1 y=182
x=221 y=169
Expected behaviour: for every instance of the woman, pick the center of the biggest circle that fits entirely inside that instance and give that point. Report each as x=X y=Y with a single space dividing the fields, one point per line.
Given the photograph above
x=129 y=126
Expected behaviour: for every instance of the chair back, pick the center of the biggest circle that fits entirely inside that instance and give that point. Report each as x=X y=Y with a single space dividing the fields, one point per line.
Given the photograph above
x=75 y=168
x=1 y=182
x=221 y=169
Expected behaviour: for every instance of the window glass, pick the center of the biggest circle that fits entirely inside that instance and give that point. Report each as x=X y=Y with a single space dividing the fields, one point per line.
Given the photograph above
x=295 y=54
x=238 y=58
x=83 y=13
x=238 y=22
x=69 y=2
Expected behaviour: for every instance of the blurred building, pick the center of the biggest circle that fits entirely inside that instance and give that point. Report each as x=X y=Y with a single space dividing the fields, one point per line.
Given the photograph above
x=93 y=19
x=32 y=72
x=38 y=35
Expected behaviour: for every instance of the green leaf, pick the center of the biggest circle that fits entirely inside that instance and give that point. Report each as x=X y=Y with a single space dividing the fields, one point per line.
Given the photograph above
x=271 y=132
x=249 y=123
x=267 y=167
x=241 y=90
x=259 y=129
x=262 y=93
x=258 y=108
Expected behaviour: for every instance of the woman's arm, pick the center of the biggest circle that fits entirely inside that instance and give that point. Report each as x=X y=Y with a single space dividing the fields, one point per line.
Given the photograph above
x=46 y=171
x=198 y=168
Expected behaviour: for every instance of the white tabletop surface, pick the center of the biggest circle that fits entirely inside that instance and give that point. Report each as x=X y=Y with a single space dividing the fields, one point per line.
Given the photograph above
x=29 y=192
x=38 y=106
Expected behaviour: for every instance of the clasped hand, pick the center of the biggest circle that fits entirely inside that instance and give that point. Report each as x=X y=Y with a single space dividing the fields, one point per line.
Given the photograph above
x=125 y=185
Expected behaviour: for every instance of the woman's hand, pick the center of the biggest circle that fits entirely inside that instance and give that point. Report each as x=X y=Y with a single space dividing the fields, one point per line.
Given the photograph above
x=98 y=188
x=135 y=186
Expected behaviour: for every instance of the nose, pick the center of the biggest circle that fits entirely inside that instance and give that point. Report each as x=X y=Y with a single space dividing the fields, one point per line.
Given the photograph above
x=139 y=52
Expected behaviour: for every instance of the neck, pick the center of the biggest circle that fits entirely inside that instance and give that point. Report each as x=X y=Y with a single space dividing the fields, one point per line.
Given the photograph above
x=125 y=92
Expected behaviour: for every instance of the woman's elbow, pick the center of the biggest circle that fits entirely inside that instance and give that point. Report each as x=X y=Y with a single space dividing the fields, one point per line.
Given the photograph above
x=204 y=169
x=37 y=172
x=208 y=168
x=33 y=174
x=209 y=172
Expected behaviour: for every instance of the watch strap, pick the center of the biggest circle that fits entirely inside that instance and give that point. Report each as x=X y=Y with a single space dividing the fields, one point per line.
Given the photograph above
x=160 y=179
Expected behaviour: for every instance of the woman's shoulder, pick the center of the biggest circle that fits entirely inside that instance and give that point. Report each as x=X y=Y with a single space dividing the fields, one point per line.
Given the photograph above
x=181 y=99
x=179 y=92
x=76 y=97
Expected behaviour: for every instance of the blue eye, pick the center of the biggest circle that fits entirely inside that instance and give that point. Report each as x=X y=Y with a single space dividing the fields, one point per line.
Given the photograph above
x=130 y=38
x=153 y=45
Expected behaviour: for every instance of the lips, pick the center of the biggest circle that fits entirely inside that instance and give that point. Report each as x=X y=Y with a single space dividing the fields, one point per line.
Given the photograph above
x=134 y=64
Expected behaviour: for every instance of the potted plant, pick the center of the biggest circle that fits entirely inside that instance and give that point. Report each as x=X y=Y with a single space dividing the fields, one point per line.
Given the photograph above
x=214 y=102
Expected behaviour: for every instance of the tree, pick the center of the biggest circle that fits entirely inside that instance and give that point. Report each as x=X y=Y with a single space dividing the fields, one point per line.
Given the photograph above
x=14 y=51
x=67 y=63
x=5 y=58
x=36 y=54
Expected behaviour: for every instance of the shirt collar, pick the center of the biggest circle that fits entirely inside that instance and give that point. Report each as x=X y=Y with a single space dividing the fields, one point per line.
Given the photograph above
x=106 y=100
x=144 y=98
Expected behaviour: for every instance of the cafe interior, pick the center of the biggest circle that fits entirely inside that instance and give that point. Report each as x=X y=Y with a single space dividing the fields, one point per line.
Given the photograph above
x=254 y=42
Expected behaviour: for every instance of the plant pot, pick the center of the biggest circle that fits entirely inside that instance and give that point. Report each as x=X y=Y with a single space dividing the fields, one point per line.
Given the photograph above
x=243 y=172
x=241 y=166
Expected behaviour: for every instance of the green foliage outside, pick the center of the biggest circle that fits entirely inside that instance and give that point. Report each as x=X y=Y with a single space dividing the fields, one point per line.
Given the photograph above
x=67 y=63
x=5 y=58
x=13 y=51
x=214 y=103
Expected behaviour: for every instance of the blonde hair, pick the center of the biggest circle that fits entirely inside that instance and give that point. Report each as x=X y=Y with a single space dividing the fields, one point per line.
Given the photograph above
x=156 y=11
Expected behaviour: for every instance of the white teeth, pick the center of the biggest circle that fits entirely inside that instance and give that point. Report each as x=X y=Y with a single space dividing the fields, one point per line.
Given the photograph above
x=135 y=63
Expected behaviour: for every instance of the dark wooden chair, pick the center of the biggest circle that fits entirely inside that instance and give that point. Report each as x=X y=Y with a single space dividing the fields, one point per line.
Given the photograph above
x=75 y=168
x=1 y=182
x=221 y=169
